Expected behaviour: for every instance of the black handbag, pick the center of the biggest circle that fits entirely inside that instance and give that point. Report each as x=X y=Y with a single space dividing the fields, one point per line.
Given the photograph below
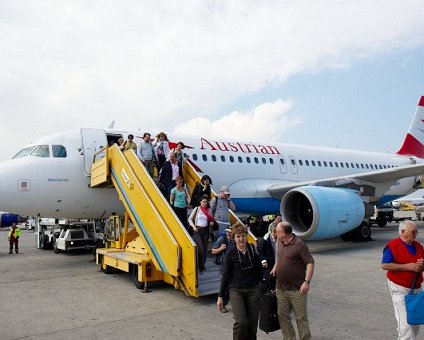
x=268 y=319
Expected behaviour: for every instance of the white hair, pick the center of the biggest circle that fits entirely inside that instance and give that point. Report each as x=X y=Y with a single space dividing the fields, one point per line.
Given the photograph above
x=402 y=225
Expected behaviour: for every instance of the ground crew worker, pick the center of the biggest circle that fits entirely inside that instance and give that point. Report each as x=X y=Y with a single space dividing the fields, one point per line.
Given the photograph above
x=14 y=233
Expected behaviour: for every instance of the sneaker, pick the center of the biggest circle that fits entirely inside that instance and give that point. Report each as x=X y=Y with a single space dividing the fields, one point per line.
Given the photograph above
x=10 y=252
x=224 y=310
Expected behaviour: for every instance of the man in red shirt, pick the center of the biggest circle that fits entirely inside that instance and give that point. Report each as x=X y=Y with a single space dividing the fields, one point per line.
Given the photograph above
x=403 y=259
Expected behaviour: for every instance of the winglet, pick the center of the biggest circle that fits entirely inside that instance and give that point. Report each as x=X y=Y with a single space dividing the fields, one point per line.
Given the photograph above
x=413 y=145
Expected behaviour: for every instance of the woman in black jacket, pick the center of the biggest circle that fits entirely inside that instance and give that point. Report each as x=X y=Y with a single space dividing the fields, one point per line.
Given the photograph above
x=242 y=273
x=201 y=189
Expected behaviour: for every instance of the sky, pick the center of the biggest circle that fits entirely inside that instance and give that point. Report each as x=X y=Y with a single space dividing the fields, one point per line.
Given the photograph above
x=344 y=74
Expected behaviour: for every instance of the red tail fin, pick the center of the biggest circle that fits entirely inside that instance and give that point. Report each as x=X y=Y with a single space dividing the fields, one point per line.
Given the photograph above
x=413 y=145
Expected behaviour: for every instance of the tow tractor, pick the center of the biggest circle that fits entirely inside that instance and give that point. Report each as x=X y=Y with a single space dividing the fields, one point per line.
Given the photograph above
x=76 y=235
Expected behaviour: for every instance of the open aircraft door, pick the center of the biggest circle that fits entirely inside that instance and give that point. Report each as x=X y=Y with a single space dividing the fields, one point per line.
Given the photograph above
x=93 y=140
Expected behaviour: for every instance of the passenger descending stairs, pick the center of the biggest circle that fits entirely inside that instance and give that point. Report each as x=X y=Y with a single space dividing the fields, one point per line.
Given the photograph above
x=209 y=281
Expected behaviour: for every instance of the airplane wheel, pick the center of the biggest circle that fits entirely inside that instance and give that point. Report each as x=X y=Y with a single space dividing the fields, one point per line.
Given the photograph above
x=363 y=232
x=138 y=284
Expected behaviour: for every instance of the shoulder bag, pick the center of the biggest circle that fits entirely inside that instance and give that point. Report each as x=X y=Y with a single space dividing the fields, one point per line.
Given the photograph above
x=414 y=306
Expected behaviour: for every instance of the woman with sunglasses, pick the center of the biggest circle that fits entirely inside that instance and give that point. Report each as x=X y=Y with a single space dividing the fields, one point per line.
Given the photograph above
x=242 y=273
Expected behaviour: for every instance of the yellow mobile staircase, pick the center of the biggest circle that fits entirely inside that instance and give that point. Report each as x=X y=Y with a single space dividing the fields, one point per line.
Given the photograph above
x=155 y=246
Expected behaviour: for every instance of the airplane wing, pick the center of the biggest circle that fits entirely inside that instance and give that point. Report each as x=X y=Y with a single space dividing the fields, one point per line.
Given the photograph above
x=373 y=183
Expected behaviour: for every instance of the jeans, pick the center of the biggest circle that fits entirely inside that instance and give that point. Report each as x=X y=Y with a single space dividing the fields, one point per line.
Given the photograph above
x=246 y=304
x=288 y=301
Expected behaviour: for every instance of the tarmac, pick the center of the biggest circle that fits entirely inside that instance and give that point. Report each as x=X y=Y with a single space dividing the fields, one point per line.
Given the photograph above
x=44 y=295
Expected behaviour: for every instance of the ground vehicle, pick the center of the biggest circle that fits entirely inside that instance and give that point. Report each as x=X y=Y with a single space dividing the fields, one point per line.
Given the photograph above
x=44 y=231
x=76 y=235
x=384 y=214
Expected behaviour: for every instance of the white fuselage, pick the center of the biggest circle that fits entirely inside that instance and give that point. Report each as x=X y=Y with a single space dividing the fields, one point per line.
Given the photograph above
x=50 y=186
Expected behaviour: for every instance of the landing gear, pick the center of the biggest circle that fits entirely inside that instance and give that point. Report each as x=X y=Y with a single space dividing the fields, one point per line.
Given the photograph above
x=363 y=232
x=359 y=234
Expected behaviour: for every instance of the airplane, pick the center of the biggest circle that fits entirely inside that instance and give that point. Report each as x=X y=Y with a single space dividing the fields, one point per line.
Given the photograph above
x=322 y=192
x=414 y=201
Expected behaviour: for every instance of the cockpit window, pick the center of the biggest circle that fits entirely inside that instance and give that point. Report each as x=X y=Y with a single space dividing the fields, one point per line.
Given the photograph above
x=59 y=151
x=40 y=151
x=24 y=152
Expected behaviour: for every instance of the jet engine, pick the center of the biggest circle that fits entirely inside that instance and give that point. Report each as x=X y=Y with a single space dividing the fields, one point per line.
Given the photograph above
x=317 y=213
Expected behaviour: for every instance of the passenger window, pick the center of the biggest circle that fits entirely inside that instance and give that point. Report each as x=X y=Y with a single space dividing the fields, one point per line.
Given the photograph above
x=307 y=162
x=331 y=164
x=248 y=159
x=371 y=166
x=222 y=158
x=319 y=163
x=341 y=164
x=357 y=165
x=256 y=160
x=213 y=158
x=41 y=151
x=325 y=163
x=231 y=159
x=205 y=158
x=282 y=161
x=263 y=160
x=313 y=163
x=271 y=161
x=362 y=165
x=336 y=164
x=24 y=152
x=194 y=157
x=59 y=151
x=300 y=161
x=240 y=159
x=366 y=165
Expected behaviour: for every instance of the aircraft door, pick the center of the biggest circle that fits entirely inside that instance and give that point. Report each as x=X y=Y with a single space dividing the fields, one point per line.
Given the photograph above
x=293 y=164
x=283 y=165
x=93 y=140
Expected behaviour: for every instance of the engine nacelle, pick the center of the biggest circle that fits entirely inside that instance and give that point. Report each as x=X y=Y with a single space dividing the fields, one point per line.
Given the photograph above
x=318 y=213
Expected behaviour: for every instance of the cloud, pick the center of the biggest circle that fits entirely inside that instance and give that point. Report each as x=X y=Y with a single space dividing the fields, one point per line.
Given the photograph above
x=267 y=121
x=156 y=64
